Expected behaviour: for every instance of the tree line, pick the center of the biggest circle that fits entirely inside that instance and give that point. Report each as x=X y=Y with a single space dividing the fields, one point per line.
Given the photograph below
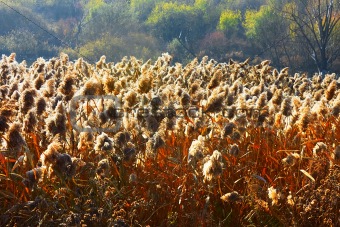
x=303 y=35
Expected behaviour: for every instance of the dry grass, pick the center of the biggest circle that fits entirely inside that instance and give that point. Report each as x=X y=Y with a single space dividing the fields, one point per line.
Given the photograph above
x=265 y=150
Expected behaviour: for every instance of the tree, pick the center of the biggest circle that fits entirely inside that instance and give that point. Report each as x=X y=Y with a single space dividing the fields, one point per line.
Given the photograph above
x=229 y=21
x=270 y=32
x=182 y=24
x=316 y=23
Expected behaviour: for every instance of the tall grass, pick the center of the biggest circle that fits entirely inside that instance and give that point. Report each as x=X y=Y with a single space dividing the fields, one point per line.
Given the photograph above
x=208 y=143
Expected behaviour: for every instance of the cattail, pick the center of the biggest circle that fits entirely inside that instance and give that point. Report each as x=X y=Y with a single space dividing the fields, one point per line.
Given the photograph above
x=33 y=176
x=130 y=99
x=3 y=91
x=30 y=121
x=3 y=123
x=39 y=81
x=337 y=153
x=185 y=99
x=15 y=95
x=290 y=199
x=103 y=143
x=66 y=86
x=215 y=103
x=330 y=92
x=64 y=58
x=261 y=101
x=155 y=102
x=286 y=107
x=241 y=102
x=196 y=150
x=85 y=140
x=336 y=107
x=26 y=84
x=27 y=100
x=228 y=129
x=49 y=88
x=128 y=153
x=230 y=99
x=318 y=94
x=156 y=141
x=215 y=80
x=49 y=156
x=194 y=87
x=274 y=195
x=178 y=91
x=241 y=119
x=145 y=83
x=121 y=139
x=296 y=103
x=103 y=168
x=304 y=118
x=11 y=58
x=235 y=136
x=64 y=165
x=318 y=148
x=278 y=119
x=321 y=109
x=230 y=112
x=101 y=63
x=15 y=140
x=111 y=112
x=277 y=97
x=303 y=87
x=213 y=167
x=291 y=159
x=103 y=117
x=108 y=83
x=234 y=150
x=255 y=91
x=13 y=87
x=118 y=88
x=231 y=197
x=40 y=105
x=56 y=124
x=92 y=87
x=151 y=123
x=78 y=64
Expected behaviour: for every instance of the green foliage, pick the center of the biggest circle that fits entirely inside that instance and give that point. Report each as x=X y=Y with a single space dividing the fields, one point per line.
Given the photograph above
x=11 y=20
x=54 y=10
x=178 y=52
x=257 y=22
x=243 y=5
x=114 y=19
x=143 y=8
x=229 y=21
x=140 y=45
x=26 y=45
x=172 y=20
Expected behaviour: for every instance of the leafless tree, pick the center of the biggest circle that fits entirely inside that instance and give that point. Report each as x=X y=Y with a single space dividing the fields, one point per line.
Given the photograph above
x=317 y=24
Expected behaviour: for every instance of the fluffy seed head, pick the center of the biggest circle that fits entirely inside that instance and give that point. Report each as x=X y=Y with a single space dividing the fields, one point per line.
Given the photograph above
x=337 y=153
x=103 y=143
x=15 y=141
x=234 y=150
x=41 y=105
x=213 y=167
x=228 y=129
x=274 y=195
x=196 y=150
x=231 y=197
x=331 y=90
x=27 y=100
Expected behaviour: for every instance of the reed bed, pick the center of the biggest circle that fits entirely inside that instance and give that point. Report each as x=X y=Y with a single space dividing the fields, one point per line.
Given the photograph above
x=163 y=144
